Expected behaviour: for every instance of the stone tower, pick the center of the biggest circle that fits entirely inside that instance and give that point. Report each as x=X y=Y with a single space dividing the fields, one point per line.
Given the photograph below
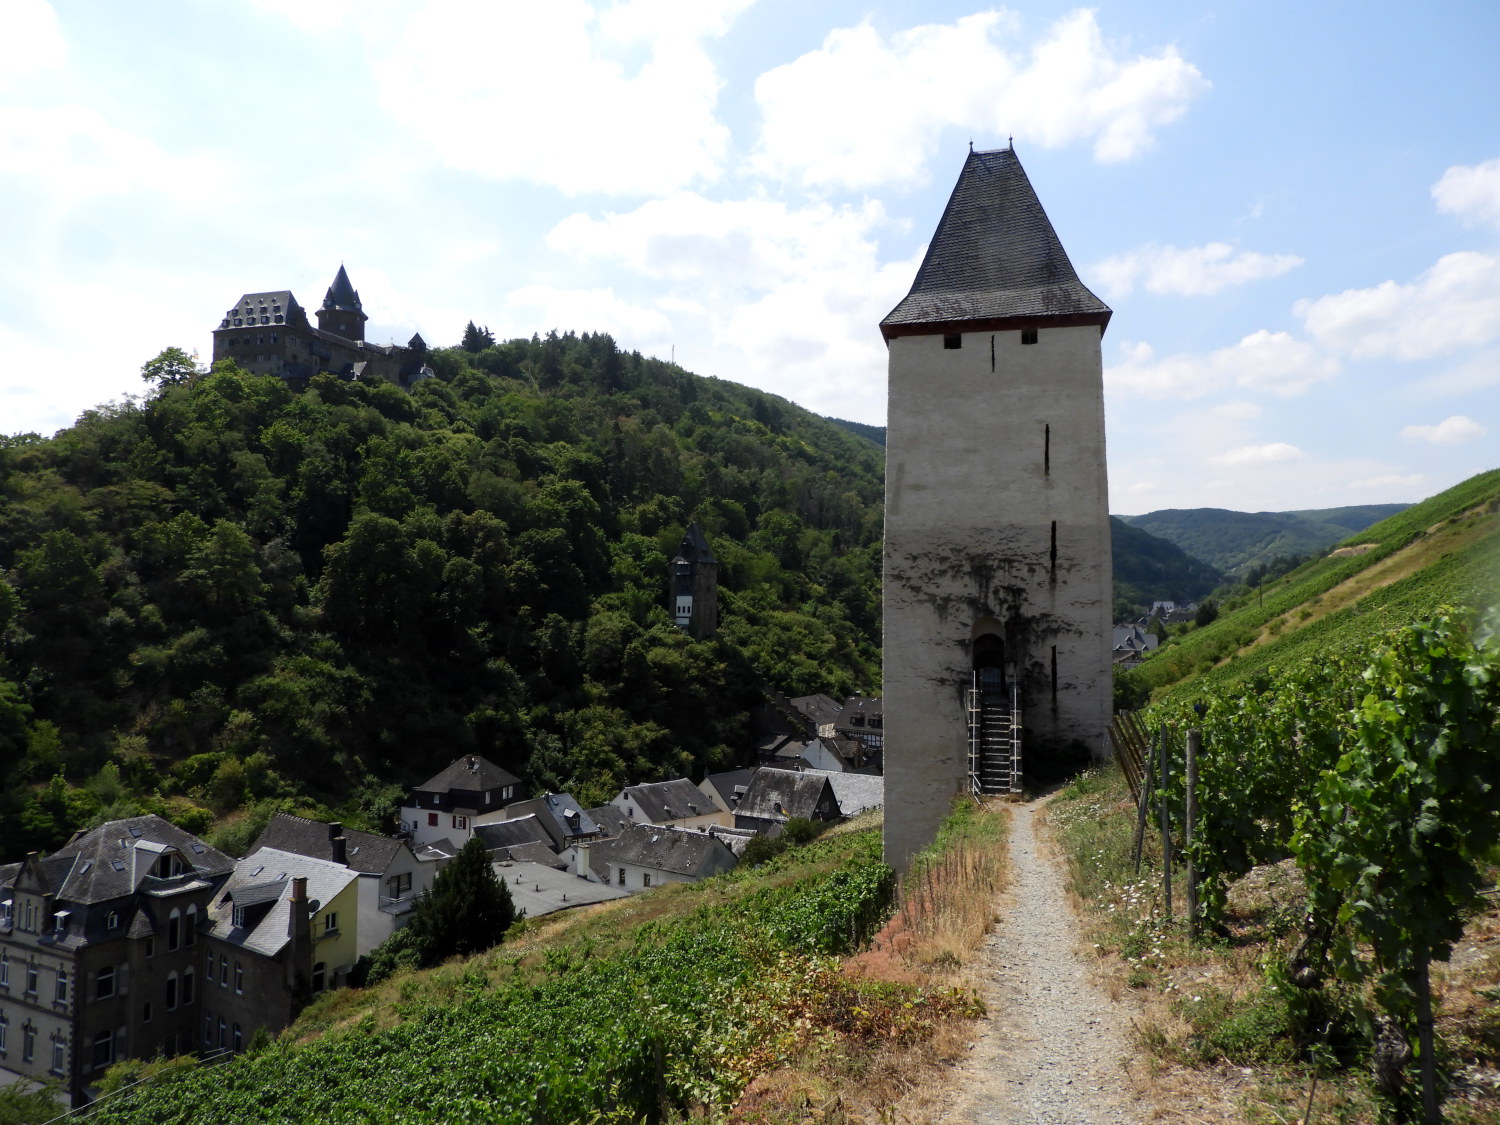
x=997 y=555
x=694 y=583
x=342 y=313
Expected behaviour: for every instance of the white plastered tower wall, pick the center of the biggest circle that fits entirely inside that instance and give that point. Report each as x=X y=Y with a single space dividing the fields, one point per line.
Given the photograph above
x=996 y=499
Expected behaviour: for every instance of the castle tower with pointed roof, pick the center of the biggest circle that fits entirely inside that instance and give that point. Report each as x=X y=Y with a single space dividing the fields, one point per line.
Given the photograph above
x=997 y=552
x=342 y=314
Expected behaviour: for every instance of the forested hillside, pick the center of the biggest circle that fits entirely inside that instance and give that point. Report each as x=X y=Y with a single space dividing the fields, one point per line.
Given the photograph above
x=229 y=594
x=1148 y=568
x=1237 y=541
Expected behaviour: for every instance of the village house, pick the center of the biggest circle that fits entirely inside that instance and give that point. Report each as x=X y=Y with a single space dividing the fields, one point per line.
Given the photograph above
x=99 y=947
x=391 y=875
x=283 y=928
x=677 y=802
x=468 y=791
x=776 y=796
x=650 y=855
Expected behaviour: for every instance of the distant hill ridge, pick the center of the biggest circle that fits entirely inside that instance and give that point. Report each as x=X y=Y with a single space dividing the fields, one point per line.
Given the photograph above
x=1235 y=541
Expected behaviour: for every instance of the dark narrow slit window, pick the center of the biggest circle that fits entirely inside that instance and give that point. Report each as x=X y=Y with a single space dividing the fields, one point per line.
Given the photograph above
x=1047 y=450
x=952 y=343
x=992 y=353
x=1028 y=335
x=1053 y=557
x=1054 y=677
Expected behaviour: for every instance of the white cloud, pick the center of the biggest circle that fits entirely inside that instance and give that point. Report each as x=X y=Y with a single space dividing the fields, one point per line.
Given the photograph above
x=310 y=15
x=591 y=310
x=73 y=151
x=1194 y=271
x=865 y=111
x=1387 y=482
x=1262 y=361
x=646 y=21
x=1472 y=192
x=1268 y=454
x=1453 y=306
x=33 y=40
x=534 y=92
x=1454 y=430
x=1238 y=411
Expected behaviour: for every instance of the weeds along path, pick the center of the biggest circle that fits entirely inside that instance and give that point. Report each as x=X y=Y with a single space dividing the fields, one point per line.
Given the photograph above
x=1052 y=1049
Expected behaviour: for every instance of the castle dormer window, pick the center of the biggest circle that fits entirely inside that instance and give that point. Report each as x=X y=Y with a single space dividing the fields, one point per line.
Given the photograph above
x=279 y=318
x=238 y=322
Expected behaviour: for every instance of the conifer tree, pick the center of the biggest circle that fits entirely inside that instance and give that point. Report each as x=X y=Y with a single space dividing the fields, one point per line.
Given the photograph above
x=467 y=910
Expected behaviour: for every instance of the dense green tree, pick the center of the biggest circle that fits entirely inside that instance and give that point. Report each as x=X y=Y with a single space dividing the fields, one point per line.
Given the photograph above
x=467 y=910
x=170 y=367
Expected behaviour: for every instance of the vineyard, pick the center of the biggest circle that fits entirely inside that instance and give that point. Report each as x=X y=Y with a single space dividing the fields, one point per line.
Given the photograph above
x=1378 y=769
x=642 y=1019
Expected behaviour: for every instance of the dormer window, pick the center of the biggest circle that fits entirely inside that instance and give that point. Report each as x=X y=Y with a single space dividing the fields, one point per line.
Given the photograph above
x=112 y=920
x=60 y=923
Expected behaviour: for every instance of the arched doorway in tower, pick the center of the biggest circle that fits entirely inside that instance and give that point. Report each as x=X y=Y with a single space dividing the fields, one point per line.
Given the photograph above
x=994 y=714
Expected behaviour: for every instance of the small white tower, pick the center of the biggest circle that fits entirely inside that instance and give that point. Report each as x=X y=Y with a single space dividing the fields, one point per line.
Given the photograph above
x=997 y=556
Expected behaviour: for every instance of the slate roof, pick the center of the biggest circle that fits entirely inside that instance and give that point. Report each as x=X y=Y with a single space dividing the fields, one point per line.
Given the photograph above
x=694 y=547
x=994 y=257
x=678 y=850
x=271 y=308
x=365 y=852
x=819 y=708
x=610 y=819
x=677 y=799
x=98 y=865
x=856 y=791
x=779 y=795
x=527 y=829
x=563 y=817
x=265 y=875
x=469 y=774
x=538 y=855
x=341 y=294
x=729 y=786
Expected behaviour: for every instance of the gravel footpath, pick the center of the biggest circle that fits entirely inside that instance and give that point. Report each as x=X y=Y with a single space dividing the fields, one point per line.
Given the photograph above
x=1052 y=1048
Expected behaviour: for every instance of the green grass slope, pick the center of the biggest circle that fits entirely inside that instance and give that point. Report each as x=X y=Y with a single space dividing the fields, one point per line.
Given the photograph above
x=1444 y=550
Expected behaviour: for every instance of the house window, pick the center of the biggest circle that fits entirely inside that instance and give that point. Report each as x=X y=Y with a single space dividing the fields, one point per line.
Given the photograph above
x=174 y=929
x=59 y=1055
x=187 y=987
x=104 y=1049
x=239 y=977
x=28 y=1042
x=222 y=1028
x=953 y=343
x=223 y=972
x=171 y=992
x=104 y=983
x=112 y=921
x=1028 y=335
x=31 y=975
x=239 y=1038
x=4 y=1030
x=645 y=878
x=622 y=876
x=432 y=820
x=4 y=970
x=190 y=926
x=319 y=977
x=331 y=922
x=208 y=1029
x=460 y=822
x=398 y=885
x=146 y=1012
x=60 y=993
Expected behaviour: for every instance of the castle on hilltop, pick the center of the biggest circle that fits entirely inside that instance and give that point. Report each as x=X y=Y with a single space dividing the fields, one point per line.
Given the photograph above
x=269 y=334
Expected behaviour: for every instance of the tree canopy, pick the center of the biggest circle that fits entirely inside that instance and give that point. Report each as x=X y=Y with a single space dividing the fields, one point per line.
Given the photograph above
x=467 y=910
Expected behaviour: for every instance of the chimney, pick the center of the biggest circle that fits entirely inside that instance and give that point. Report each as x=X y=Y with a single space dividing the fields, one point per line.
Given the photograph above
x=340 y=845
x=299 y=944
x=335 y=830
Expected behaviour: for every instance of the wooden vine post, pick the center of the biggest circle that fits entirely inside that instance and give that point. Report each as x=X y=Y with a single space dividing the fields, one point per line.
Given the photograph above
x=1190 y=828
x=1166 y=827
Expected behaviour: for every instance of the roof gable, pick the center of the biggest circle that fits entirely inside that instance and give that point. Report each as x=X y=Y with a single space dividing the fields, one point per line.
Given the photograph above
x=678 y=799
x=994 y=257
x=365 y=852
x=776 y=794
x=677 y=850
x=469 y=774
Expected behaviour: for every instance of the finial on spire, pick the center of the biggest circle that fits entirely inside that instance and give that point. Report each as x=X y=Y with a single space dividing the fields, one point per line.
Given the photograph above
x=971 y=146
x=1011 y=143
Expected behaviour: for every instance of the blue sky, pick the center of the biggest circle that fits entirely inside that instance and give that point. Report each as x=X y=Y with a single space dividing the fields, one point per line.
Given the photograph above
x=1293 y=209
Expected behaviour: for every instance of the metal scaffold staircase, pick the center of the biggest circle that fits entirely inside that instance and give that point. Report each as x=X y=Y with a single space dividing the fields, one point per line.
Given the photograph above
x=994 y=736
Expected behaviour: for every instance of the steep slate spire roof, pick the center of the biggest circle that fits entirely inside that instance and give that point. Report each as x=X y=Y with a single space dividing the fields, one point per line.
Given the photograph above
x=341 y=294
x=994 y=258
x=695 y=546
